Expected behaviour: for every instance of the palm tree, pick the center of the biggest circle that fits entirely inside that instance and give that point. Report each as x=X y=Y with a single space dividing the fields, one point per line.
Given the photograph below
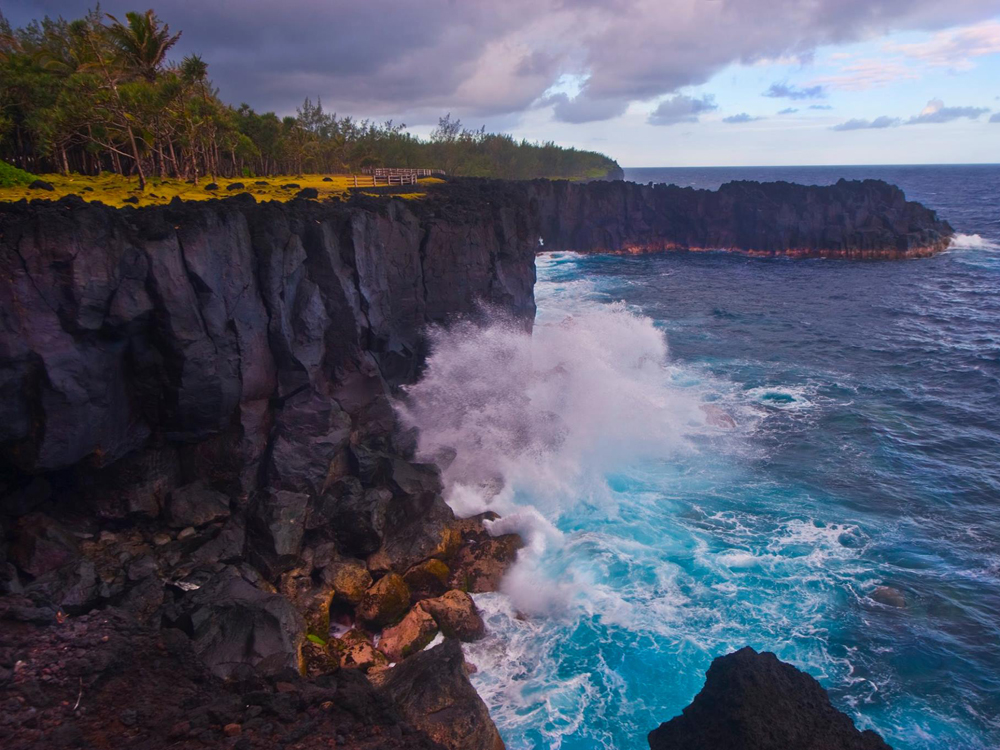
x=142 y=43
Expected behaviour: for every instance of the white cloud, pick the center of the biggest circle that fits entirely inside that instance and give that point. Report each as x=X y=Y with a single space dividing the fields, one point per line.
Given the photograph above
x=935 y=112
x=867 y=74
x=954 y=48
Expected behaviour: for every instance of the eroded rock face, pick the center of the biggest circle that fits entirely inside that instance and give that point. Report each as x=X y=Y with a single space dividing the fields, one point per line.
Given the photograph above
x=433 y=693
x=851 y=219
x=456 y=615
x=754 y=701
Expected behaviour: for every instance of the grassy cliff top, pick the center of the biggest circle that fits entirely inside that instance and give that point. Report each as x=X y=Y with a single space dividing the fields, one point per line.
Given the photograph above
x=118 y=191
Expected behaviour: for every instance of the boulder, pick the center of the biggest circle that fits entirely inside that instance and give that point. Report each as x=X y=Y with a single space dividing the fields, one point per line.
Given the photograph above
x=195 y=504
x=349 y=580
x=417 y=527
x=357 y=651
x=407 y=637
x=384 y=602
x=456 y=615
x=432 y=691
x=307 y=192
x=753 y=701
x=427 y=578
x=234 y=622
x=235 y=186
x=41 y=185
x=277 y=524
x=482 y=560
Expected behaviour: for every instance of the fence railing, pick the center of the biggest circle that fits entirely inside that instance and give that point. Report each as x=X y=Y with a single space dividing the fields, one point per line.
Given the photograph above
x=400 y=171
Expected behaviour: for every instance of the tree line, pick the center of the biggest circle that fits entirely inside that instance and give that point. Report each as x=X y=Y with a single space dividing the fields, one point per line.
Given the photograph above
x=99 y=93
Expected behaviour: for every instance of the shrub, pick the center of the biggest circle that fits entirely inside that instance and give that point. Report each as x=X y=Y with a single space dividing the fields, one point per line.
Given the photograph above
x=11 y=176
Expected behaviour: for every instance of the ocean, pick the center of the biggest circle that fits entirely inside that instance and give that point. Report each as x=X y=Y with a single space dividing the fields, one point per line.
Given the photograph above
x=707 y=451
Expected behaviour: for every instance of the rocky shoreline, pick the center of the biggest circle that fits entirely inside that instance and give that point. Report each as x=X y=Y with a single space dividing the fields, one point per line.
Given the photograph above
x=213 y=530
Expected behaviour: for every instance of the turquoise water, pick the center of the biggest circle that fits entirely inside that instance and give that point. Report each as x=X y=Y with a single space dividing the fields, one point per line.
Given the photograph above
x=709 y=451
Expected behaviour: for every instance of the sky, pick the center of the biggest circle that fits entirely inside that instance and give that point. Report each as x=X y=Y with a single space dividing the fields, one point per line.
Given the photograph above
x=650 y=83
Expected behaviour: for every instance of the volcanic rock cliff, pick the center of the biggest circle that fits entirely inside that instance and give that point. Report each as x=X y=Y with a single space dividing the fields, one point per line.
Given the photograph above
x=197 y=433
x=858 y=220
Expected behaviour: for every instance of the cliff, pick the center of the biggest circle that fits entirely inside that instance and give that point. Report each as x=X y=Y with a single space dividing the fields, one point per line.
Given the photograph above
x=197 y=433
x=856 y=220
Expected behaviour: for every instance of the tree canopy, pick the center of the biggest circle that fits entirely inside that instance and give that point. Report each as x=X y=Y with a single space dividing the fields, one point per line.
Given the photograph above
x=100 y=93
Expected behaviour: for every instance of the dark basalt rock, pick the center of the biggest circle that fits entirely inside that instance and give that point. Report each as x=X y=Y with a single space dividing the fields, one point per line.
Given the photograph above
x=432 y=691
x=235 y=186
x=851 y=219
x=40 y=185
x=754 y=701
x=307 y=193
x=196 y=504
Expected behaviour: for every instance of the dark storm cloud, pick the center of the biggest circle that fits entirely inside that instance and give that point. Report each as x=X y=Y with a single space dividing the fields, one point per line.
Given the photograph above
x=877 y=124
x=681 y=108
x=785 y=91
x=490 y=59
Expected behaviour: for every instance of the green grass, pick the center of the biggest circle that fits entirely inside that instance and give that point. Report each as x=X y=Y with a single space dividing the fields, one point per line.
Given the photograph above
x=11 y=176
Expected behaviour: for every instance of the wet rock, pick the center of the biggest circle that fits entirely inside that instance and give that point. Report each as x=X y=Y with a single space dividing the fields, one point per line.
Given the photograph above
x=407 y=637
x=753 y=701
x=276 y=527
x=385 y=602
x=195 y=504
x=889 y=596
x=456 y=615
x=482 y=560
x=428 y=578
x=350 y=580
x=433 y=692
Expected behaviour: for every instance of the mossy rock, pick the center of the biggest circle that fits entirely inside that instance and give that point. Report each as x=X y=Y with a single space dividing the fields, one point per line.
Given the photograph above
x=349 y=579
x=385 y=602
x=429 y=578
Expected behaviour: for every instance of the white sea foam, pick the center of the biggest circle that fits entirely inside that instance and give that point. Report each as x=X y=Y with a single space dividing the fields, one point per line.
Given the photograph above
x=972 y=242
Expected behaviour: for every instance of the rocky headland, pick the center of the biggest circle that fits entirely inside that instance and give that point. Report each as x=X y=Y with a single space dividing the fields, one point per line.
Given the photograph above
x=213 y=530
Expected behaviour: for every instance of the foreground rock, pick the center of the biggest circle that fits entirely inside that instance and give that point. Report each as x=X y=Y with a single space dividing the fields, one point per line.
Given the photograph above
x=754 y=701
x=433 y=693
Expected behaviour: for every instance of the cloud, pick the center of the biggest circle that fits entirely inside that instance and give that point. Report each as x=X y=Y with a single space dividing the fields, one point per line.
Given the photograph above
x=741 y=117
x=787 y=111
x=935 y=112
x=820 y=106
x=485 y=59
x=785 y=91
x=995 y=118
x=868 y=74
x=877 y=124
x=681 y=108
x=954 y=48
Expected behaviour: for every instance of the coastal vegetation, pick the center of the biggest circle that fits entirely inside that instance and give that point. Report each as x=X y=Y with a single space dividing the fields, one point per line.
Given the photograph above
x=100 y=94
